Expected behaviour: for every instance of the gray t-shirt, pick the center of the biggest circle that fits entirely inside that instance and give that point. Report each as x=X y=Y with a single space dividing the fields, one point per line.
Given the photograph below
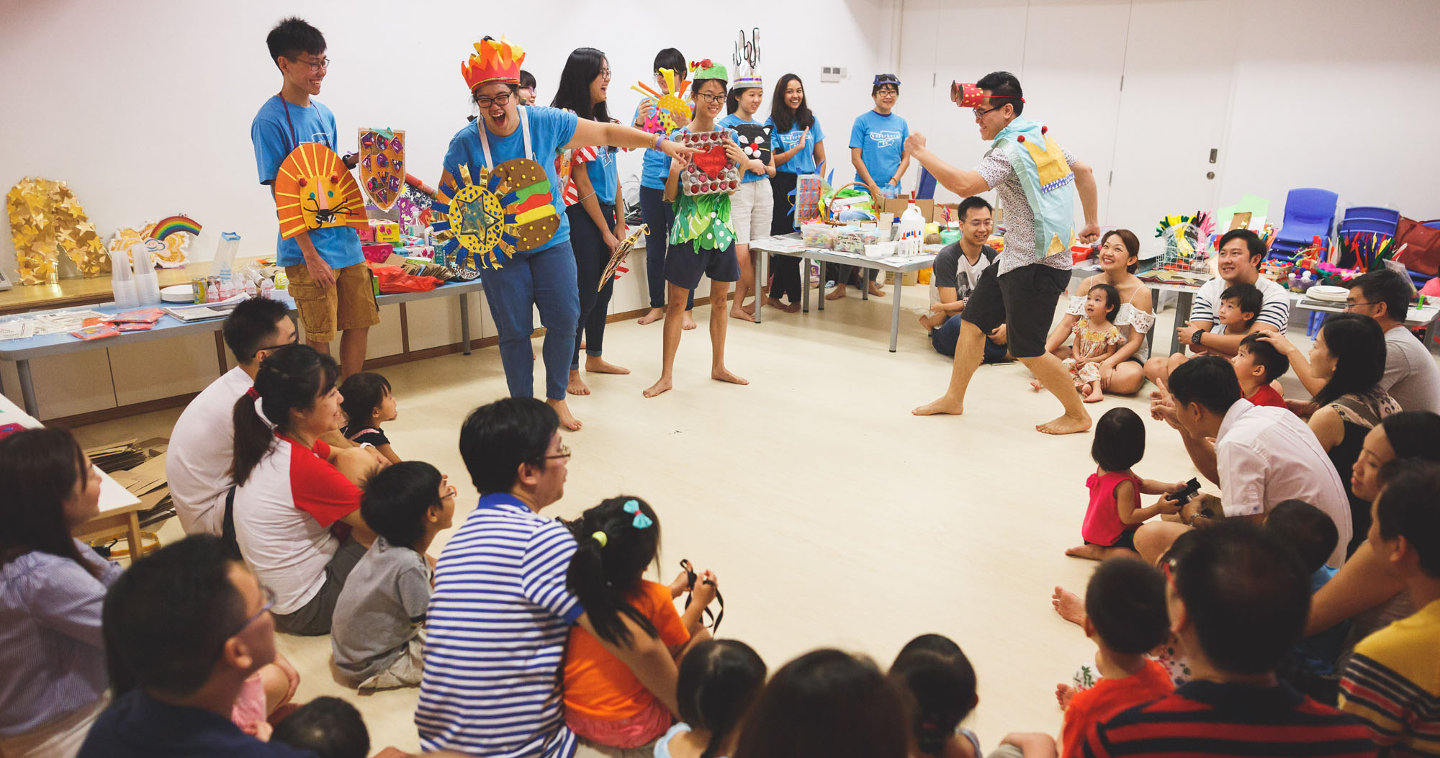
x=1019 y=218
x=379 y=610
x=1411 y=376
x=953 y=269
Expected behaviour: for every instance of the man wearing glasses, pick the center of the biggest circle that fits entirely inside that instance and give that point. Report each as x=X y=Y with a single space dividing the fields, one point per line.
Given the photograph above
x=329 y=281
x=1037 y=183
x=1411 y=376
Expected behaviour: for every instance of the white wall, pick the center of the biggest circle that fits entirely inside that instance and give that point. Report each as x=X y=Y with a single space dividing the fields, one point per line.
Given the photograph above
x=144 y=107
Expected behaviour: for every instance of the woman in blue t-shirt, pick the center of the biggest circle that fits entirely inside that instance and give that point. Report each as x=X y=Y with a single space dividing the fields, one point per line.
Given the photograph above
x=799 y=145
x=753 y=204
x=877 y=151
x=543 y=277
x=595 y=227
x=657 y=214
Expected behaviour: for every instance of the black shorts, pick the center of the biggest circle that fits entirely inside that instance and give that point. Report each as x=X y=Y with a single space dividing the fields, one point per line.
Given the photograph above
x=684 y=264
x=1023 y=300
x=1125 y=540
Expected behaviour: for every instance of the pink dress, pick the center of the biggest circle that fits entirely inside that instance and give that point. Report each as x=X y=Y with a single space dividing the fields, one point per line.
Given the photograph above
x=1102 y=524
x=1090 y=343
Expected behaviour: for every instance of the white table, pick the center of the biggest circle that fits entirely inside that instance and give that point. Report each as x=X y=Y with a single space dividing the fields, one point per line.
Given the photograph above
x=791 y=245
x=1417 y=317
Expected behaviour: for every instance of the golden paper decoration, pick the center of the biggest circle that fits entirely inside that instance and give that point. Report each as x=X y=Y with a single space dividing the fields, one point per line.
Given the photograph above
x=45 y=220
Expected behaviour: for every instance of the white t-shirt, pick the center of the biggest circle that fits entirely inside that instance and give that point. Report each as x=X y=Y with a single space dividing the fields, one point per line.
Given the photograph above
x=201 y=453
x=1267 y=455
x=1411 y=376
x=1274 y=309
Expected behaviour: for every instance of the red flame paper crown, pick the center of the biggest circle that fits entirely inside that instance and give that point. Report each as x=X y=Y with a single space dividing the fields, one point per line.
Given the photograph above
x=493 y=61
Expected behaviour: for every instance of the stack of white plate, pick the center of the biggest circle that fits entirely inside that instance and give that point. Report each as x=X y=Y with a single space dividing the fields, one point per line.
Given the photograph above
x=1327 y=294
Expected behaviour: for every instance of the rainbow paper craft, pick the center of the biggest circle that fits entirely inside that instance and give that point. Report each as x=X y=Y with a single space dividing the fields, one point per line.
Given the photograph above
x=172 y=225
x=497 y=214
x=667 y=105
x=382 y=165
x=314 y=191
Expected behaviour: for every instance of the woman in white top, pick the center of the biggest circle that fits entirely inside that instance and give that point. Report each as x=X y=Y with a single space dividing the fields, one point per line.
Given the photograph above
x=1124 y=372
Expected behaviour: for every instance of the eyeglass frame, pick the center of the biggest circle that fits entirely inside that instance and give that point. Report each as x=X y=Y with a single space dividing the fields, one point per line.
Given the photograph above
x=564 y=454
x=322 y=65
x=710 y=98
x=502 y=99
x=265 y=608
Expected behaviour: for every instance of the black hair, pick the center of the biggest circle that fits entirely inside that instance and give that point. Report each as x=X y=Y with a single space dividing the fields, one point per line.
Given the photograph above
x=1246 y=593
x=251 y=326
x=496 y=439
x=293 y=36
x=969 y=204
x=937 y=680
x=826 y=702
x=1406 y=508
x=696 y=84
x=326 y=726
x=732 y=98
x=1119 y=441
x=1358 y=344
x=1253 y=244
x=1125 y=602
x=573 y=91
x=1383 y=286
x=1208 y=380
x=780 y=112
x=1305 y=528
x=39 y=469
x=1112 y=299
x=890 y=80
x=1413 y=434
x=718 y=682
x=1004 y=90
x=397 y=498
x=361 y=394
x=291 y=378
x=185 y=585
x=1247 y=298
x=1131 y=243
x=527 y=79
x=670 y=58
x=1266 y=356
x=603 y=575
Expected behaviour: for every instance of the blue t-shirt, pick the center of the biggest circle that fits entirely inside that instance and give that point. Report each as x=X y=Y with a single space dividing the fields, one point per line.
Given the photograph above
x=733 y=120
x=140 y=726
x=802 y=162
x=274 y=140
x=550 y=130
x=602 y=173
x=881 y=140
x=656 y=167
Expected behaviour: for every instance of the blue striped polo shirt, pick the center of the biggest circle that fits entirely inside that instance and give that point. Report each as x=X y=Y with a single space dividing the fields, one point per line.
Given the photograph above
x=497 y=626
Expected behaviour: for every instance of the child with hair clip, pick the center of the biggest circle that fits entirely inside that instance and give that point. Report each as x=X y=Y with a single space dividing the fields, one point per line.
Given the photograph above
x=368 y=402
x=939 y=682
x=1096 y=339
x=1114 y=512
x=719 y=681
x=605 y=704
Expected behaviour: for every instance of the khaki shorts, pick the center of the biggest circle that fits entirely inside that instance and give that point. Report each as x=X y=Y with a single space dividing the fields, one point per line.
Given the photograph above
x=350 y=304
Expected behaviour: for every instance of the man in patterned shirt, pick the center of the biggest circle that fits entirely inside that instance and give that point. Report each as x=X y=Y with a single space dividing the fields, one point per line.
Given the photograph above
x=1036 y=181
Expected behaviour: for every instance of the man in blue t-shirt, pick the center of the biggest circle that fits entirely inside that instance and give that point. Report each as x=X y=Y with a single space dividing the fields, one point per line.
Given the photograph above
x=329 y=280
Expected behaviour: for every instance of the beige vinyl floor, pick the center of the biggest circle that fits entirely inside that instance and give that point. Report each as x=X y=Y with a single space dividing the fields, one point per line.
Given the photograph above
x=830 y=514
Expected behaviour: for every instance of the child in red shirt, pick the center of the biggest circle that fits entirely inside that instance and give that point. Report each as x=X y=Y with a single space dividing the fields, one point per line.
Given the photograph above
x=1114 y=512
x=1257 y=364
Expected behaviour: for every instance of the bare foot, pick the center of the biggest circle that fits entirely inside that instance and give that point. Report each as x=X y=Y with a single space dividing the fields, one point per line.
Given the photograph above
x=689 y=322
x=741 y=314
x=657 y=388
x=749 y=308
x=654 y=314
x=1068 y=605
x=597 y=365
x=567 y=420
x=837 y=293
x=1096 y=395
x=944 y=406
x=722 y=374
x=577 y=385
x=1065 y=425
x=876 y=290
x=774 y=302
x=582 y=344
x=1093 y=552
x=1036 y=385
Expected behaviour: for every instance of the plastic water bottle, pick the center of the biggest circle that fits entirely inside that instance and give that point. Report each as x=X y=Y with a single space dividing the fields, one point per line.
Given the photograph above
x=912 y=229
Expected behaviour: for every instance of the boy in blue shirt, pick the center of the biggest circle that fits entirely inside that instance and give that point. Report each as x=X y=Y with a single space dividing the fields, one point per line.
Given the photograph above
x=329 y=281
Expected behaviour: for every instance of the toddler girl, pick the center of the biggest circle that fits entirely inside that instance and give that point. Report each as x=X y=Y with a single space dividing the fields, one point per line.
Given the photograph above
x=939 y=681
x=719 y=680
x=1115 y=513
x=368 y=402
x=604 y=703
x=1096 y=339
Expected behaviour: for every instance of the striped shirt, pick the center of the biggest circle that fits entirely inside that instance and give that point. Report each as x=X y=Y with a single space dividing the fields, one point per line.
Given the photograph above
x=1210 y=718
x=1393 y=682
x=496 y=632
x=1274 y=307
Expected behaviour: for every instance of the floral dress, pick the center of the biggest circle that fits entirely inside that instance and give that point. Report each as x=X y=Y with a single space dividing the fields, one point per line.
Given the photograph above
x=1128 y=319
x=1090 y=344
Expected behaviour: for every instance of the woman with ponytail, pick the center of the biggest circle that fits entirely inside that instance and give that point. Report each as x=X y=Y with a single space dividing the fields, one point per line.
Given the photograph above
x=718 y=682
x=939 y=682
x=292 y=489
x=605 y=704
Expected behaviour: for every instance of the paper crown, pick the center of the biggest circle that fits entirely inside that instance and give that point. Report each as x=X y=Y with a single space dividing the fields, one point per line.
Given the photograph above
x=493 y=61
x=968 y=95
x=747 y=82
x=708 y=69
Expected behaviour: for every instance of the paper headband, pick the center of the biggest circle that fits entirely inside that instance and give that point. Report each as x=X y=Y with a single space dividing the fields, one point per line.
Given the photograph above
x=968 y=95
x=708 y=69
x=886 y=79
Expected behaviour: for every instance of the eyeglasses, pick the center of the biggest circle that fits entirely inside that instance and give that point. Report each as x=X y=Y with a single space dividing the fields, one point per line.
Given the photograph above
x=604 y=73
x=888 y=91
x=323 y=63
x=450 y=493
x=269 y=596
x=563 y=454
x=500 y=99
x=709 y=98
x=980 y=112
x=1357 y=303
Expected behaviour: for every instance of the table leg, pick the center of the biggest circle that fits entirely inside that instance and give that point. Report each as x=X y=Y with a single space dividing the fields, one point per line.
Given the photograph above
x=762 y=262
x=805 y=286
x=27 y=387
x=465 y=324
x=865 y=283
x=895 y=313
x=132 y=535
x=820 y=298
x=1183 y=302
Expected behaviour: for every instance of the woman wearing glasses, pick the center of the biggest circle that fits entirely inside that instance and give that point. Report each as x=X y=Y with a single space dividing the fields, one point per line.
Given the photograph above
x=543 y=277
x=877 y=151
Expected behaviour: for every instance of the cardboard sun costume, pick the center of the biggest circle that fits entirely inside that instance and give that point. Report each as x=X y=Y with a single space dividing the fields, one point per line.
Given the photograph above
x=314 y=191
x=667 y=105
x=382 y=165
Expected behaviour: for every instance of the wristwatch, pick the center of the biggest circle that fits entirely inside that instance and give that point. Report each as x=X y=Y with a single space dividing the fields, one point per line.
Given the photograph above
x=1195 y=336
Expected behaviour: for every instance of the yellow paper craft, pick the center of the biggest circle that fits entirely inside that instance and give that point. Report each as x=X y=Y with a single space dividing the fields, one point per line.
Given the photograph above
x=314 y=191
x=172 y=255
x=46 y=220
x=667 y=105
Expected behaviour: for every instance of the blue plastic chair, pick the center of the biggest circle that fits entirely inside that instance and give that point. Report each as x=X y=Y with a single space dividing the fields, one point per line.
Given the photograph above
x=926 y=189
x=1363 y=219
x=1309 y=213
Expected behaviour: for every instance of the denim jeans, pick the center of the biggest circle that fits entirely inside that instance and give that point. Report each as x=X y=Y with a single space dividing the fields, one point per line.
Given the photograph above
x=544 y=280
x=658 y=215
x=591 y=257
x=947 y=335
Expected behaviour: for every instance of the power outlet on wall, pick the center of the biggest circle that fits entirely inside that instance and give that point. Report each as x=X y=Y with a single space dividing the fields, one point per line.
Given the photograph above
x=831 y=73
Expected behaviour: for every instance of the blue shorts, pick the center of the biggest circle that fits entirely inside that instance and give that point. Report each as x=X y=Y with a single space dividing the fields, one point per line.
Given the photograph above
x=684 y=265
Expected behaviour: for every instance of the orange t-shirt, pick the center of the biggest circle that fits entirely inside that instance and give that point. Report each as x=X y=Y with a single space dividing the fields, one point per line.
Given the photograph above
x=1109 y=697
x=599 y=685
